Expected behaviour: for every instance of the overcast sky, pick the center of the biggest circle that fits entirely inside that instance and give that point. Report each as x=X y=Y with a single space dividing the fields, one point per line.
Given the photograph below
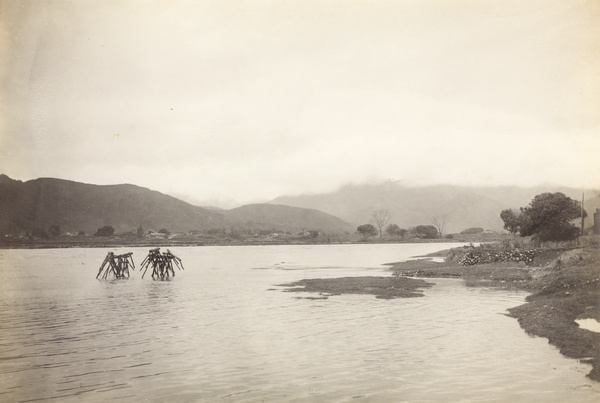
x=248 y=100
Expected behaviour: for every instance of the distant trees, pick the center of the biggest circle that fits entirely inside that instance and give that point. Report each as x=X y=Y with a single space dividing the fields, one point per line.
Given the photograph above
x=425 y=231
x=380 y=218
x=366 y=231
x=547 y=218
x=395 y=231
x=313 y=233
x=107 y=230
x=140 y=232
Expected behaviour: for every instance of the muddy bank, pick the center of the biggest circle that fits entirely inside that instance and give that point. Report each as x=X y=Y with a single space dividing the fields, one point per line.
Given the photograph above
x=565 y=290
x=381 y=287
x=565 y=286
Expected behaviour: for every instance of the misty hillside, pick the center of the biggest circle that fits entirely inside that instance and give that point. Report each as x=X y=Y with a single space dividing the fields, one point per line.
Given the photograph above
x=37 y=204
x=465 y=207
x=293 y=219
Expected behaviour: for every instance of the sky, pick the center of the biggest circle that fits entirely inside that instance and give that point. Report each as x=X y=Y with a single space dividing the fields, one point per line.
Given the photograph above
x=240 y=101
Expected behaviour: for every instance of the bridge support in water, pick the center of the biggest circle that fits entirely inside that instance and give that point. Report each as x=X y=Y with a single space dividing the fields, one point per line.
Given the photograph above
x=116 y=265
x=161 y=263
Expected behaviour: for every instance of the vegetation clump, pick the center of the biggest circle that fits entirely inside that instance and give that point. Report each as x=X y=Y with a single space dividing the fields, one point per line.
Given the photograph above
x=486 y=256
x=547 y=218
x=107 y=230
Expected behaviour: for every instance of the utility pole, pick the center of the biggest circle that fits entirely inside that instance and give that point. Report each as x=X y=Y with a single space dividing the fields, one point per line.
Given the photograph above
x=582 y=217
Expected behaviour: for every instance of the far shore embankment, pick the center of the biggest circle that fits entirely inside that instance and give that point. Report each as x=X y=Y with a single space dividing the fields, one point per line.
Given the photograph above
x=178 y=240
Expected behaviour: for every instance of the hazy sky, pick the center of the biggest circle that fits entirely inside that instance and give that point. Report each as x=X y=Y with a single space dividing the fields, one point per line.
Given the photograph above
x=248 y=100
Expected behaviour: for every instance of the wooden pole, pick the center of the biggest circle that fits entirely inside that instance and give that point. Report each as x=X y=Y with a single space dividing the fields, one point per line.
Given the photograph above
x=582 y=210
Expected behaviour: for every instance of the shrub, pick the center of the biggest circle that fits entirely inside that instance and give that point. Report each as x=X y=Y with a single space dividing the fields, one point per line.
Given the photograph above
x=107 y=230
x=486 y=255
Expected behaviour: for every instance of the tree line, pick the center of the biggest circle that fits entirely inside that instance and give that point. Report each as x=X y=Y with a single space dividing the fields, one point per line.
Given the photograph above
x=549 y=217
x=379 y=223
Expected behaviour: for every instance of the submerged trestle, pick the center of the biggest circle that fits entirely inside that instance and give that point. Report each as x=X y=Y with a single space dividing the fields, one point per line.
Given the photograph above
x=161 y=263
x=116 y=265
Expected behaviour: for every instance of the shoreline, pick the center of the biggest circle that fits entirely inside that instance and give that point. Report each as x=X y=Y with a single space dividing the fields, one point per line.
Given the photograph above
x=90 y=241
x=564 y=286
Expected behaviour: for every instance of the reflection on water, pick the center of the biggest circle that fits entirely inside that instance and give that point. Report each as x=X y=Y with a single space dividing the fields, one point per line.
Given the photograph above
x=223 y=331
x=589 y=324
x=496 y=284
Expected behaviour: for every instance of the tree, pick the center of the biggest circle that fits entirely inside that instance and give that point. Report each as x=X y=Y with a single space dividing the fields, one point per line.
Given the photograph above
x=380 y=218
x=140 y=232
x=394 y=230
x=366 y=231
x=426 y=231
x=107 y=230
x=440 y=223
x=547 y=218
x=512 y=221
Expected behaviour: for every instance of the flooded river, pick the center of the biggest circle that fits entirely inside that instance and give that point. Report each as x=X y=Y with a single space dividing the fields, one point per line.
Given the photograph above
x=223 y=330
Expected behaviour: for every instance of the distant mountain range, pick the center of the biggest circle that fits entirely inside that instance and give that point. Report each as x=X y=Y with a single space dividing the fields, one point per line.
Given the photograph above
x=464 y=207
x=37 y=204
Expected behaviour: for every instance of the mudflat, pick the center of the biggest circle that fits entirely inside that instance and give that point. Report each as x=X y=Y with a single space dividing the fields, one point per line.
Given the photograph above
x=381 y=287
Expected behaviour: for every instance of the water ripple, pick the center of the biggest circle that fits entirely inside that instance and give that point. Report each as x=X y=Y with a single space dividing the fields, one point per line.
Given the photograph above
x=220 y=335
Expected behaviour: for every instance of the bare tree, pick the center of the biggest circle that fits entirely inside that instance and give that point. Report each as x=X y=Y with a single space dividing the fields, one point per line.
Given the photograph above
x=380 y=218
x=440 y=223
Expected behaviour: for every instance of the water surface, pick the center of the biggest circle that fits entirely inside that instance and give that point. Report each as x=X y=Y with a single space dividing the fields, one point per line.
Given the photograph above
x=223 y=330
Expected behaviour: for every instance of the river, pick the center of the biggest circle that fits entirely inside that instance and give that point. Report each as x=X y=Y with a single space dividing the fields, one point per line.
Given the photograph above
x=224 y=330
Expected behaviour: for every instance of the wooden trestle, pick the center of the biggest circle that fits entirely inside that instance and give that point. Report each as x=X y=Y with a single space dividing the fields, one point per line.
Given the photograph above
x=117 y=265
x=162 y=264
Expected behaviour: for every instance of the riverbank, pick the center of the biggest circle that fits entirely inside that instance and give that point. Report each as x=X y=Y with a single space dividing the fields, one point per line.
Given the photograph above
x=565 y=286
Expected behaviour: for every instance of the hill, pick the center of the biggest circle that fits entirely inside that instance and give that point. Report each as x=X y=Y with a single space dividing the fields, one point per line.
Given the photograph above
x=74 y=206
x=292 y=219
x=35 y=205
x=464 y=207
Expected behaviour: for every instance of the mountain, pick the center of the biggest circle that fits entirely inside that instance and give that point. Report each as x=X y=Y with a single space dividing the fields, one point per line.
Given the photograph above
x=464 y=207
x=37 y=204
x=74 y=206
x=292 y=219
